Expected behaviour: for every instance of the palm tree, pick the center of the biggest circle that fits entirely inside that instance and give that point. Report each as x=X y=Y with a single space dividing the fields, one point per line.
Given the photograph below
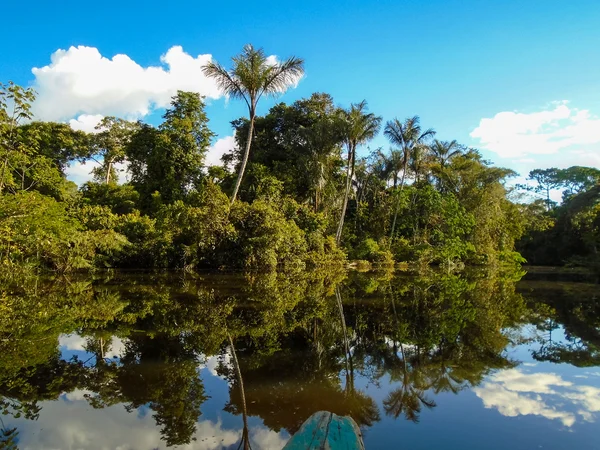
x=359 y=127
x=409 y=138
x=253 y=75
x=444 y=151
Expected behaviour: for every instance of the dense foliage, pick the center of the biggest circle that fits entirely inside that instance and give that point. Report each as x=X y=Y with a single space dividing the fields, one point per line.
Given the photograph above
x=568 y=233
x=300 y=195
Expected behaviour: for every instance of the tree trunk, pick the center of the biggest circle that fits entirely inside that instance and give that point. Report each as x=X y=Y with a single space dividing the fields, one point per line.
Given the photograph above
x=349 y=175
x=3 y=174
x=397 y=208
x=108 y=168
x=238 y=182
x=238 y=372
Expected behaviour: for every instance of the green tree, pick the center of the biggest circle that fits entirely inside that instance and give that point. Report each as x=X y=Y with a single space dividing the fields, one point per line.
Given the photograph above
x=298 y=144
x=409 y=138
x=109 y=145
x=19 y=101
x=252 y=76
x=444 y=151
x=547 y=180
x=358 y=128
x=169 y=160
x=577 y=179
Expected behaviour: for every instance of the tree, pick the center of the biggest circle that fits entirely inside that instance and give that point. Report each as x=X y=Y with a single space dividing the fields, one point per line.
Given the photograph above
x=577 y=179
x=298 y=144
x=444 y=151
x=253 y=75
x=408 y=137
x=20 y=99
x=58 y=142
x=110 y=144
x=359 y=127
x=547 y=180
x=169 y=160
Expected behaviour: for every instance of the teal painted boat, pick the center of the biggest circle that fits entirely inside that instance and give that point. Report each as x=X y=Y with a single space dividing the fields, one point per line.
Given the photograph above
x=327 y=431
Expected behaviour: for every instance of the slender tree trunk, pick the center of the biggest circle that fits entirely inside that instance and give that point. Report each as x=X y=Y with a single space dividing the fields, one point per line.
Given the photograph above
x=3 y=174
x=245 y=435
x=347 y=354
x=238 y=182
x=397 y=208
x=349 y=175
x=108 y=168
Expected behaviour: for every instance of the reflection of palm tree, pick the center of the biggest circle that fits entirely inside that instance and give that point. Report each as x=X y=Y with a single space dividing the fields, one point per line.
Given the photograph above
x=245 y=434
x=408 y=399
x=347 y=354
x=361 y=407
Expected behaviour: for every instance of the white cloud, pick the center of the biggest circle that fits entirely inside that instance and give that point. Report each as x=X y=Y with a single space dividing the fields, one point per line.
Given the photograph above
x=82 y=81
x=514 y=134
x=218 y=149
x=71 y=342
x=114 y=347
x=71 y=423
x=514 y=393
x=86 y=122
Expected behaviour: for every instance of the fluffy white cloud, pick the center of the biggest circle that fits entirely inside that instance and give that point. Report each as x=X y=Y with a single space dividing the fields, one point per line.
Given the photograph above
x=86 y=122
x=113 y=349
x=514 y=393
x=513 y=134
x=218 y=149
x=82 y=81
x=71 y=423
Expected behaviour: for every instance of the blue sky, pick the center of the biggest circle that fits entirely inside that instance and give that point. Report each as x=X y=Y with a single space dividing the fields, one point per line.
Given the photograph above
x=531 y=68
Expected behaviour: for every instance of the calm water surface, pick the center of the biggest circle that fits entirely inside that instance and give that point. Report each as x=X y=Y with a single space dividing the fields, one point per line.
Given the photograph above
x=144 y=361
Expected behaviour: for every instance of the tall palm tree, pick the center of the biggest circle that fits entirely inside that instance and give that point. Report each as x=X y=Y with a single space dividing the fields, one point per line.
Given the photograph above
x=409 y=138
x=444 y=151
x=359 y=127
x=395 y=165
x=253 y=75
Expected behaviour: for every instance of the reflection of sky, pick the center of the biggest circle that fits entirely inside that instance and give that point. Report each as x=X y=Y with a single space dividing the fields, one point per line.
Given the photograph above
x=524 y=392
x=71 y=423
x=75 y=425
x=534 y=405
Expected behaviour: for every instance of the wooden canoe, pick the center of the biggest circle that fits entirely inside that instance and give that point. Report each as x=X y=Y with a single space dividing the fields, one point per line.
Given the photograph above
x=327 y=431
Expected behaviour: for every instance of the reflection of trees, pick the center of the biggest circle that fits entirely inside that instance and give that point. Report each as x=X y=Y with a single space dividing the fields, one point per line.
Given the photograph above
x=432 y=334
x=576 y=308
x=300 y=341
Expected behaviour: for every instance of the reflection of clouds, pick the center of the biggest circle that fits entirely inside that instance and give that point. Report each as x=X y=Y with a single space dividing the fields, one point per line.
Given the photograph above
x=74 y=424
x=515 y=393
x=539 y=383
x=212 y=362
x=114 y=347
x=263 y=438
x=77 y=394
x=71 y=342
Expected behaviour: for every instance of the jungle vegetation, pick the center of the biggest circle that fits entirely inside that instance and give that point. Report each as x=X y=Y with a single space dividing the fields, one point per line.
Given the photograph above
x=301 y=188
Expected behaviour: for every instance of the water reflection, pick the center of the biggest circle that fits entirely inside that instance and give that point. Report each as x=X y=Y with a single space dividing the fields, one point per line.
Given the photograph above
x=160 y=360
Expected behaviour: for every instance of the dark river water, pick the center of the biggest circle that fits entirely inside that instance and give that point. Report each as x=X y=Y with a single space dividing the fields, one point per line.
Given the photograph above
x=484 y=359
